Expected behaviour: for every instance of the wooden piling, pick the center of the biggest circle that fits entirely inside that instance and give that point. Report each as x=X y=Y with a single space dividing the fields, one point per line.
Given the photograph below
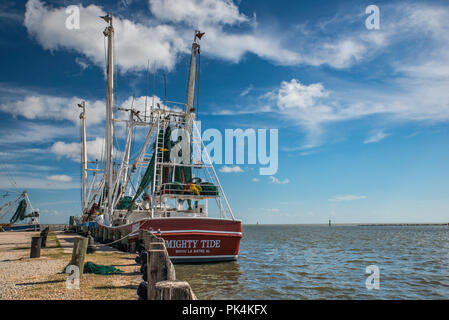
x=173 y=290
x=160 y=268
x=148 y=237
x=35 y=251
x=79 y=253
x=116 y=236
x=72 y=222
x=43 y=235
x=160 y=272
x=124 y=242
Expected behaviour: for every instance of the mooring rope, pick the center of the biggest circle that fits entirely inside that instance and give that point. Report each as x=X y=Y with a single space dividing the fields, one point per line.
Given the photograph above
x=107 y=244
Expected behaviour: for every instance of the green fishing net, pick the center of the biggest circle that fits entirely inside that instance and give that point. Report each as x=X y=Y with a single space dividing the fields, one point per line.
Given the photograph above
x=90 y=267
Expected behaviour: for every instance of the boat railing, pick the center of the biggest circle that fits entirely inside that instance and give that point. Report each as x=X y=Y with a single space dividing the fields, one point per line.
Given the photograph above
x=197 y=191
x=179 y=214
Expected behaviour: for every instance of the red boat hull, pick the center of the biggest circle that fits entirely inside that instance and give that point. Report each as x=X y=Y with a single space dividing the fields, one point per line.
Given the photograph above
x=191 y=240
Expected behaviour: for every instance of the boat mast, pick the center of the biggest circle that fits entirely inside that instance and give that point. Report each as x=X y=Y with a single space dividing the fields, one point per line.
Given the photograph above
x=109 y=33
x=25 y=195
x=192 y=73
x=82 y=105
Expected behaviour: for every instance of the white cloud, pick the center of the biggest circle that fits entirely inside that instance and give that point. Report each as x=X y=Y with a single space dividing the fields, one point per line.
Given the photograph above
x=138 y=104
x=233 y=169
x=311 y=106
x=82 y=63
x=246 y=91
x=33 y=133
x=293 y=94
x=95 y=149
x=275 y=180
x=30 y=182
x=25 y=166
x=212 y=16
x=36 y=106
x=234 y=46
x=197 y=12
x=376 y=137
x=340 y=53
x=256 y=180
x=348 y=197
x=417 y=91
x=59 y=177
x=165 y=36
x=135 y=43
x=273 y=210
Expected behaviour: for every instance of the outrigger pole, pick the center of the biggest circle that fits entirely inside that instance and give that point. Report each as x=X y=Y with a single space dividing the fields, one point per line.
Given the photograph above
x=109 y=33
x=82 y=105
x=192 y=73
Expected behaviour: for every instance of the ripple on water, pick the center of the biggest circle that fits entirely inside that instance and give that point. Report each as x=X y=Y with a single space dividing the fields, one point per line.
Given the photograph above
x=318 y=262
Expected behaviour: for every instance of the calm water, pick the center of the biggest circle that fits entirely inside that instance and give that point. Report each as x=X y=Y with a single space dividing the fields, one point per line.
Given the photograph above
x=321 y=262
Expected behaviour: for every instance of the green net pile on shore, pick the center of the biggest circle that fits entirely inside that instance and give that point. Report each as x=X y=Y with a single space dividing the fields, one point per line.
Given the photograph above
x=90 y=267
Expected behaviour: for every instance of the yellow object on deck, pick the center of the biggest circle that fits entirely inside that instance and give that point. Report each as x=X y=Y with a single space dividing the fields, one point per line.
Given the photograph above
x=196 y=189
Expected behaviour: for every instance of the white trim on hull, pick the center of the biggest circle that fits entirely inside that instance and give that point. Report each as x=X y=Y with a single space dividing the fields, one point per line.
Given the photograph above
x=202 y=259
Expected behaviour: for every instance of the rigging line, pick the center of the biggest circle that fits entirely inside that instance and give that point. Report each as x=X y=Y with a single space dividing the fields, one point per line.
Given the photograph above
x=147 y=87
x=10 y=191
x=154 y=84
x=8 y=174
x=165 y=87
x=82 y=159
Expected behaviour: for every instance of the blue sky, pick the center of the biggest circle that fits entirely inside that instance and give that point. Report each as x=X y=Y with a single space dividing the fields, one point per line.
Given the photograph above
x=362 y=114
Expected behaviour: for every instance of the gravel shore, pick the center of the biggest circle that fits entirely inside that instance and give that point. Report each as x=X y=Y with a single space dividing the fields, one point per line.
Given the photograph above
x=43 y=278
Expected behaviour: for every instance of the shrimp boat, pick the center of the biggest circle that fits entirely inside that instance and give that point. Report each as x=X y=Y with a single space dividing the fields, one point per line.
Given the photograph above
x=21 y=202
x=168 y=186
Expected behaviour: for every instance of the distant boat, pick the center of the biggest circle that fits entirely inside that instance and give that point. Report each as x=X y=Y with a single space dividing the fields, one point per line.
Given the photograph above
x=22 y=201
x=330 y=223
